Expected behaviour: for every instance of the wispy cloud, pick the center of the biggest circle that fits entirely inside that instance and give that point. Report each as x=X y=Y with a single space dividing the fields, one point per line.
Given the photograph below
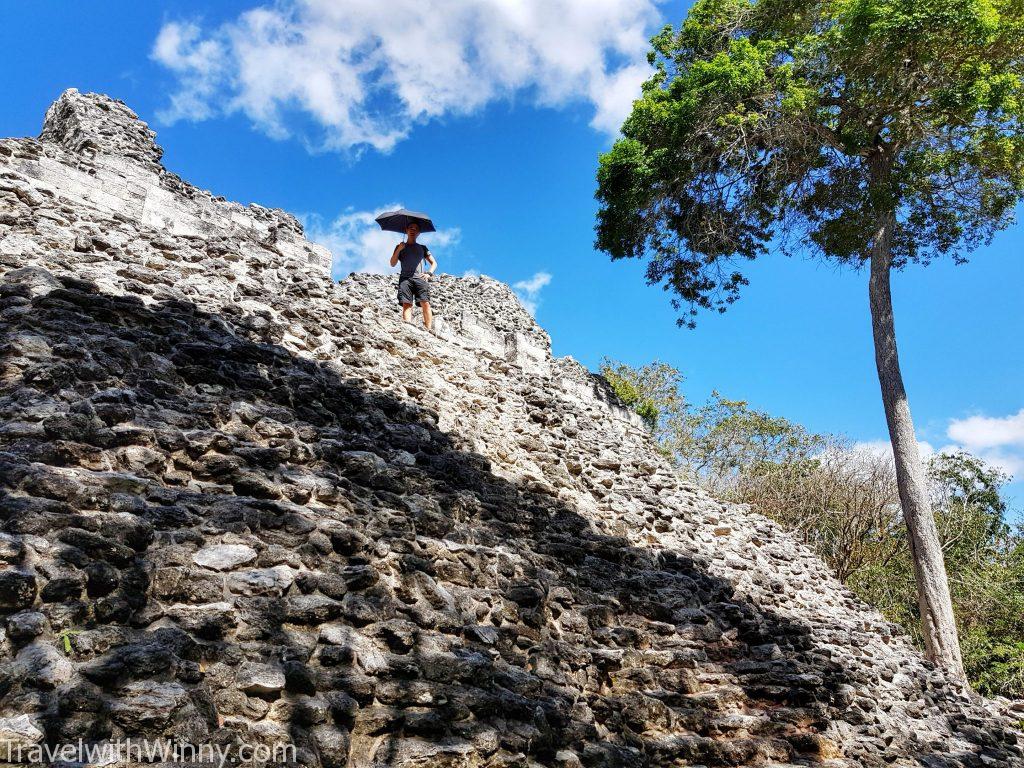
x=996 y=440
x=528 y=291
x=365 y=72
x=999 y=440
x=358 y=244
x=201 y=65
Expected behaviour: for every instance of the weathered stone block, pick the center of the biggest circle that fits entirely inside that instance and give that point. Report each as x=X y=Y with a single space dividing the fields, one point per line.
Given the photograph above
x=17 y=589
x=224 y=557
x=260 y=679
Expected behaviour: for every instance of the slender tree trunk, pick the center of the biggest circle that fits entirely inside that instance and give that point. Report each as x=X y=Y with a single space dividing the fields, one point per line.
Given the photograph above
x=937 y=622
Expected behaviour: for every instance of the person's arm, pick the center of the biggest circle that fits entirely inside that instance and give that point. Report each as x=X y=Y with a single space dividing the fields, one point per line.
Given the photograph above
x=394 y=256
x=431 y=262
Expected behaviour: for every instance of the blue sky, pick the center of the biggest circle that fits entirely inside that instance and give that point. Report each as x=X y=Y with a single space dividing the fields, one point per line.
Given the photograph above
x=490 y=116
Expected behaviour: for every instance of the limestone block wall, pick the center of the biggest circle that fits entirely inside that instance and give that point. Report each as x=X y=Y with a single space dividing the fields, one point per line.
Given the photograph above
x=94 y=151
x=454 y=298
x=242 y=503
x=482 y=313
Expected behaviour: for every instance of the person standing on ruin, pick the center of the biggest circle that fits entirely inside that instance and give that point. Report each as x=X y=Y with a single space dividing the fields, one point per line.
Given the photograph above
x=413 y=282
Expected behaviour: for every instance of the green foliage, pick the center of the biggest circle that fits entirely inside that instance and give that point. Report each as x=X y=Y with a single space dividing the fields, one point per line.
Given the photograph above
x=653 y=391
x=711 y=443
x=994 y=666
x=984 y=562
x=65 y=640
x=805 y=121
x=843 y=502
x=726 y=438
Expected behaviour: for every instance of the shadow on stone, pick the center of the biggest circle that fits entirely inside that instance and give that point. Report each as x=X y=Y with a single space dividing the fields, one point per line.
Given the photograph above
x=212 y=539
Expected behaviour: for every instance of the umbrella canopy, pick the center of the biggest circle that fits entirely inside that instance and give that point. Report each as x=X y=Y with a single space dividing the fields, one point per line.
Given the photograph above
x=397 y=221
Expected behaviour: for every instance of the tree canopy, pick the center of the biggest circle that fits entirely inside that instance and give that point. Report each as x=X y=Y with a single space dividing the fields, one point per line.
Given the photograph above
x=802 y=122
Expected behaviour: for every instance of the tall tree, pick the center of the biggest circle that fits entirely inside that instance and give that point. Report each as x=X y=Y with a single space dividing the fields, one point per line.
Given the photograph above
x=877 y=132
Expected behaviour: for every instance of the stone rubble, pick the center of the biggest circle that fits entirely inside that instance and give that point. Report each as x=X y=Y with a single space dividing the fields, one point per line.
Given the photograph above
x=242 y=503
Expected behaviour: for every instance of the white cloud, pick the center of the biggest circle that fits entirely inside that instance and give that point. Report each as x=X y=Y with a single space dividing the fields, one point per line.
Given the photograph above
x=528 y=291
x=366 y=72
x=981 y=432
x=998 y=440
x=358 y=244
x=199 y=63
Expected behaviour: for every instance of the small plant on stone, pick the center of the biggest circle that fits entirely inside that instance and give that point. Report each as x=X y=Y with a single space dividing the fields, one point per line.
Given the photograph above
x=65 y=640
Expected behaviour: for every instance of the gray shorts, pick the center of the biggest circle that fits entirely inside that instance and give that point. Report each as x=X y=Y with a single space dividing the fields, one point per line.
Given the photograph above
x=413 y=290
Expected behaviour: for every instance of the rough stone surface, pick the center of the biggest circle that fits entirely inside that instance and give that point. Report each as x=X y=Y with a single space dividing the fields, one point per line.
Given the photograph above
x=458 y=550
x=260 y=678
x=224 y=557
x=18 y=733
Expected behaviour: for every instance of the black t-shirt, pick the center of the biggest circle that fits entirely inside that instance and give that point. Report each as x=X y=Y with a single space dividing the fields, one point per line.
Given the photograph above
x=410 y=258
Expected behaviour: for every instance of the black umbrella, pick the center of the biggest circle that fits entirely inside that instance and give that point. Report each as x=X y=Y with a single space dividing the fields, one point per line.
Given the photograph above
x=397 y=221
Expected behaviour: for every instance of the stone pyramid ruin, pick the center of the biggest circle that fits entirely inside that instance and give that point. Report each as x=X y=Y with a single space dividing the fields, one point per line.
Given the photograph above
x=242 y=504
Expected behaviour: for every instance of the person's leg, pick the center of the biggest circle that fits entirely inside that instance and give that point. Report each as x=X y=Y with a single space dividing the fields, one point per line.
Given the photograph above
x=422 y=290
x=405 y=298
